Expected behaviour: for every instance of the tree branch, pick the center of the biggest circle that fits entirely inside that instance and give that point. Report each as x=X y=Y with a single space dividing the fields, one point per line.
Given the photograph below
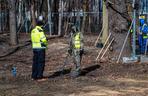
x=124 y=15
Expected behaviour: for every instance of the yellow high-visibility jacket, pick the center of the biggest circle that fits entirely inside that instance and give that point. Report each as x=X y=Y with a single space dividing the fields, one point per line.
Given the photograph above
x=77 y=40
x=38 y=38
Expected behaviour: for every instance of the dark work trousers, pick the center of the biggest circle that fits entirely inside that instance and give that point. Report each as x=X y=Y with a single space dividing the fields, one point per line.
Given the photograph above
x=77 y=57
x=38 y=63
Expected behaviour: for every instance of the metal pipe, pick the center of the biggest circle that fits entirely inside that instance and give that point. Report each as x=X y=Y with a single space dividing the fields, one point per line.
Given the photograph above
x=0 y=17
x=146 y=47
x=134 y=31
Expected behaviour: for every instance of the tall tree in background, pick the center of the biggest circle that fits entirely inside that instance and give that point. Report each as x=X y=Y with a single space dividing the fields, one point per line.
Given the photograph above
x=12 y=22
x=33 y=13
x=118 y=24
x=60 y=16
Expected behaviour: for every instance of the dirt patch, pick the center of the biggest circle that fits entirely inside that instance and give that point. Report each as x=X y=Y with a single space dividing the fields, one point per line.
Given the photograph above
x=97 y=79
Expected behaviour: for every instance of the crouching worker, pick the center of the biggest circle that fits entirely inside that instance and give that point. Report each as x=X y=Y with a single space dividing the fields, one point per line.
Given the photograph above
x=76 y=50
x=39 y=44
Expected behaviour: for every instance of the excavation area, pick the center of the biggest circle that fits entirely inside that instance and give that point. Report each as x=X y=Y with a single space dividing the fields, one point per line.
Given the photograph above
x=102 y=78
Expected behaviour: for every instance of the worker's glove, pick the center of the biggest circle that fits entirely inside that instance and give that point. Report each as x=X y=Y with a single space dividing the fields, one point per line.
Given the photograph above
x=70 y=51
x=81 y=51
x=43 y=44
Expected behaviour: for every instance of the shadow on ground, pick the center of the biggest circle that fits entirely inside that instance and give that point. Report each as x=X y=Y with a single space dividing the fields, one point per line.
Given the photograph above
x=84 y=71
x=60 y=73
x=89 y=69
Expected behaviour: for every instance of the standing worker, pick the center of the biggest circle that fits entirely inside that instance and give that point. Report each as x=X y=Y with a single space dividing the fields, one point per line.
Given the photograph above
x=143 y=35
x=39 y=44
x=76 y=50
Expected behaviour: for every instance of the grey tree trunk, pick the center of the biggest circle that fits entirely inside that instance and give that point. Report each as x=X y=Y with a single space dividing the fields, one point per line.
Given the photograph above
x=33 y=15
x=12 y=17
x=60 y=16
x=49 y=17
x=118 y=25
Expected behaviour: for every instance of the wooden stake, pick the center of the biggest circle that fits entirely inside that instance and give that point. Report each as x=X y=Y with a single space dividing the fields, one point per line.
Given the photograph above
x=98 y=37
x=103 y=47
x=107 y=48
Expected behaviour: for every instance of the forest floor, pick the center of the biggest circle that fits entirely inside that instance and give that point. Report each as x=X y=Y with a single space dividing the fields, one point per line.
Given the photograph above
x=97 y=78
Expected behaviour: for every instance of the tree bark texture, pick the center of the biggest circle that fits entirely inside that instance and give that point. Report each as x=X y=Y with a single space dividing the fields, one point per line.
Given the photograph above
x=33 y=14
x=12 y=23
x=118 y=25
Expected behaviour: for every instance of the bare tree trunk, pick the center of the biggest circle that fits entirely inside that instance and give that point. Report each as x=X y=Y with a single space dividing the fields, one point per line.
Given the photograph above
x=49 y=17
x=84 y=17
x=105 y=23
x=60 y=16
x=12 y=16
x=33 y=13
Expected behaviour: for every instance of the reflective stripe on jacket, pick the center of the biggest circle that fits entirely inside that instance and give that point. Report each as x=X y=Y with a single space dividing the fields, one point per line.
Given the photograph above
x=38 y=38
x=144 y=25
x=77 y=41
x=145 y=36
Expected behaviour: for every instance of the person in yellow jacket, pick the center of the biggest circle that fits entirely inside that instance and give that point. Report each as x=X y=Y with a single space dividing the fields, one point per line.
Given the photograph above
x=39 y=44
x=76 y=50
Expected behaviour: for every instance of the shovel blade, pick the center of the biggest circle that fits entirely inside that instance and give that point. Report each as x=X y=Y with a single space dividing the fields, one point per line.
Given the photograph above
x=143 y=59
x=130 y=59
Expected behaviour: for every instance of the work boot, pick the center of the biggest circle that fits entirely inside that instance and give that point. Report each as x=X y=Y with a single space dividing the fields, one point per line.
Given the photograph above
x=75 y=73
x=41 y=80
